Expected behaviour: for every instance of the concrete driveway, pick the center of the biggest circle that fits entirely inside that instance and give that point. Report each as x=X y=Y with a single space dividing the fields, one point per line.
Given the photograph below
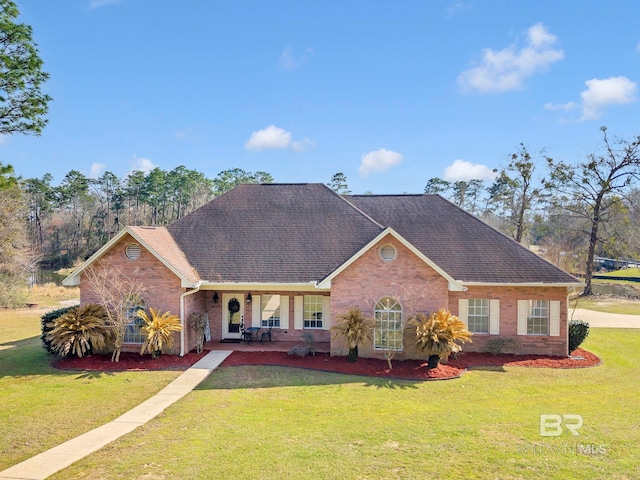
x=606 y=320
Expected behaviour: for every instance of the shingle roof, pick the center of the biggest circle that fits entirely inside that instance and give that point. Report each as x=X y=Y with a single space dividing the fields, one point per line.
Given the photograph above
x=164 y=246
x=275 y=233
x=299 y=233
x=462 y=245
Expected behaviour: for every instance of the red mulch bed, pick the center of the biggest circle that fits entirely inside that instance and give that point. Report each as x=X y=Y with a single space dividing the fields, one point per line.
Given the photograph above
x=410 y=369
x=406 y=369
x=129 y=361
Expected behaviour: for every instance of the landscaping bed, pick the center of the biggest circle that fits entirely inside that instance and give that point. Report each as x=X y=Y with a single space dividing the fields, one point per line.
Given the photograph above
x=407 y=369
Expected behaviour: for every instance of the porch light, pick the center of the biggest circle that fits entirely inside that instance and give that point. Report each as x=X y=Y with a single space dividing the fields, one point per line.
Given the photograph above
x=215 y=297
x=249 y=297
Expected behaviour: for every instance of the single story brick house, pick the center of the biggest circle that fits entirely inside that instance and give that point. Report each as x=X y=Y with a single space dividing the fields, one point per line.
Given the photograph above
x=293 y=256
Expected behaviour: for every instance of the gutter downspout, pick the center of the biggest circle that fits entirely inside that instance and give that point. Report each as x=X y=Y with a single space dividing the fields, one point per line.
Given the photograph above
x=182 y=323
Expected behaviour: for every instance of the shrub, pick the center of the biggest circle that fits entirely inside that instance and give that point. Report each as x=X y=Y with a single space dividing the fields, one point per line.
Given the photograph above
x=159 y=328
x=496 y=346
x=438 y=335
x=578 y=331
x=198 y=322
x=306 y=348
x=46 y=323
x=355 y=328
x=79 y=331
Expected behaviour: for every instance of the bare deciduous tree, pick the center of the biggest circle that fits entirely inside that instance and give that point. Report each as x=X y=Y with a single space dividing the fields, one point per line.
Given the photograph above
x=118 y=294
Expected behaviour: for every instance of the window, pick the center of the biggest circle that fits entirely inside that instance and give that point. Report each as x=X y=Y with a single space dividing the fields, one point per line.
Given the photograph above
x=313 y=311
x=387 y=333
x=478 y=315
x=270 y=311
x=538 y=317
x=388 y=253
x=133 y=333
x=132 y=251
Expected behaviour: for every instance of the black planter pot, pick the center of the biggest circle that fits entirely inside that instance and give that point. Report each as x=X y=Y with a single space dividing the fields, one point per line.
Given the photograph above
x=433 y=361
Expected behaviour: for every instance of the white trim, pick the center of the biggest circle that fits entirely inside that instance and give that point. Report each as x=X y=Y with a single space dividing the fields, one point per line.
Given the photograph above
x=256 y=310
x=554 y=318
x=454 y=285
x=182 y=322
x=525 y=284
x=523 y=311
x=74 y=279
x=298 y=312
x=463 y=311
x=262 y=287
x=326 y=313
x=284 y=312
x=494 y=317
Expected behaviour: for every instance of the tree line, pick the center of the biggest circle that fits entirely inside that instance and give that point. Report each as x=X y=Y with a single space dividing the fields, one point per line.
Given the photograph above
x=72 y=220
x=575 y=211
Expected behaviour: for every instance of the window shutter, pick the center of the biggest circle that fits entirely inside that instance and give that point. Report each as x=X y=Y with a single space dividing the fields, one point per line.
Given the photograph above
x=298 y=312
x=326 y=313
x=284 y=312
x=256 y=310
x=554 y=318
x=494 y=317
x=463 y=311
x=523 y=310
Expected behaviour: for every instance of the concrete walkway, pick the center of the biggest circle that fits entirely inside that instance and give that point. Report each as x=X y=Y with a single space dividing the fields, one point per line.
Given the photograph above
x=606 y=320
x=47 y=463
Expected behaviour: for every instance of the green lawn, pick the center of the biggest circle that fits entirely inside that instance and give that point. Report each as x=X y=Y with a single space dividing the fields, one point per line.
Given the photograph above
x=41 y=407
x=273 y=423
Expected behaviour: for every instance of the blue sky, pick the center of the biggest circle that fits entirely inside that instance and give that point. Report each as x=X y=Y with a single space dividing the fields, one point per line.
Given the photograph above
x=389 y=93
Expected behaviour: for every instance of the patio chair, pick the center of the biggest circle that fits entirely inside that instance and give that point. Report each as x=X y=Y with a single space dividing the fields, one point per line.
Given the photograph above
x=245 y=335
x=267 y=333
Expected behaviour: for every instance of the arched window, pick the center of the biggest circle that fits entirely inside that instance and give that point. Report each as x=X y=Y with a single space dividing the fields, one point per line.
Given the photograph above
x=133 y=332
x=387 y=332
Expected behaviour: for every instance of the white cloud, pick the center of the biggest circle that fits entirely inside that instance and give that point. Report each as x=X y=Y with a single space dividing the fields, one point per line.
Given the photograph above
x=97 y=169
x=602 y=93
x=462 y=170
x=143 y=164
x=300 y=146
x=564 y=107
x=290 y=61
x=506 y=69
x=270 y=138
x=378 y=161
x=276 y=138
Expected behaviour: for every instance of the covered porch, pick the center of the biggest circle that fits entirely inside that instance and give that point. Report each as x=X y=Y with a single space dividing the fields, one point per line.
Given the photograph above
x=256 y=346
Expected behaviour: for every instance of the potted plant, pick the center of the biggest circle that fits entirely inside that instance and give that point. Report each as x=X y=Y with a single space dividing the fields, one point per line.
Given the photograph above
x=355 y=328
x=159 y=328
x=438 y=335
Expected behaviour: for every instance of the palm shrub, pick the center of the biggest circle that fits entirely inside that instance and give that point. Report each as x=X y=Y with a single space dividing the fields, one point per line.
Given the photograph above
x=159 y=328
x=438 y=335
x=198 y=322
x=578 y=331
x=355 y=328
x=79 y=331
x=47 y=323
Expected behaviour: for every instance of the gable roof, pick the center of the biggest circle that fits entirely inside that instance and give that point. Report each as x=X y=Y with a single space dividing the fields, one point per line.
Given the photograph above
x=462 y=245
x=306 y=233
x=156 y=240
x=273 y=233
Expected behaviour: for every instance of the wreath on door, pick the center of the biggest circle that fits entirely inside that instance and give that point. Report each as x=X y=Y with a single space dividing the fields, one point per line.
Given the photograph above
x=234 y=306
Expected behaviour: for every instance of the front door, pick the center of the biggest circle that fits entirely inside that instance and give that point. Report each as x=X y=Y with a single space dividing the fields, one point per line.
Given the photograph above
x=232 y=315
